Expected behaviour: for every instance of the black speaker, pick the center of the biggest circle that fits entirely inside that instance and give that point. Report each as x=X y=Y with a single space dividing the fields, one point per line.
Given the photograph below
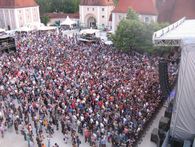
x=154 y=136
x=163 y=77
x=7 y=43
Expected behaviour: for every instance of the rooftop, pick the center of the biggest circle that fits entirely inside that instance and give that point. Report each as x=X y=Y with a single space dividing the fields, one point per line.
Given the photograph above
x=96 y=2
x=173 y=10
x=62 y=15
x=140 y=6
x=17 y=3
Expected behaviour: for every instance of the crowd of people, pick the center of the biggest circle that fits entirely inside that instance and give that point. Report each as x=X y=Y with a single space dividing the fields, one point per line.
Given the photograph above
x=78 y=89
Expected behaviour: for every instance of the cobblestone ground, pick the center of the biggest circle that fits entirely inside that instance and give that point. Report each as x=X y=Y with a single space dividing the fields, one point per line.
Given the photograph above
x=11 y=139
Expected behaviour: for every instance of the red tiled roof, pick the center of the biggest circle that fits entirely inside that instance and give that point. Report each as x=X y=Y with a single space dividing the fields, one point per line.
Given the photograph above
x=140 y=6
x=173 y=10
x=62 y=15
x=17 y=3
x=165 y=10
x=96 y=2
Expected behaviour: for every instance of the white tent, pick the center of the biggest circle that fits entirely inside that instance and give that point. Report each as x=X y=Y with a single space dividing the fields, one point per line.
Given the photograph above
x=173 y=34
x=89 y=31
x=24 y=29
x=47 y=28
x=68 y=22
x=108 y=42
x=2 y=30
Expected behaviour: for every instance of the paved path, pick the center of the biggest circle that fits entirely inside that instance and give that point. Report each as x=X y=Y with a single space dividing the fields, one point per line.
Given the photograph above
x=146 y=139
x=11 y=139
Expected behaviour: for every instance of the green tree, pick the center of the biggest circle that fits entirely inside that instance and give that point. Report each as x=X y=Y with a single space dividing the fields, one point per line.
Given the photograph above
x=45 y=19
x=132 y=34
x=115 y=2
x=45 y=6
x=67 y=6
x=132 y=15
x=127 y=36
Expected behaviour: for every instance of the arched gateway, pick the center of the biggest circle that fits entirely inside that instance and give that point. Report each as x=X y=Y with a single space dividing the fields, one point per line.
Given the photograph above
x=91 y=22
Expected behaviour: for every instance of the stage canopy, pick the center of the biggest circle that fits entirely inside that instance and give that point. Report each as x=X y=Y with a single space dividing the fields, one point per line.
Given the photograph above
x=175 y=33
x=182 y=34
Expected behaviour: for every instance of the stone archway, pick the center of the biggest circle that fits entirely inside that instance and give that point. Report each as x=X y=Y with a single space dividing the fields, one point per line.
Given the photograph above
x=91 y=22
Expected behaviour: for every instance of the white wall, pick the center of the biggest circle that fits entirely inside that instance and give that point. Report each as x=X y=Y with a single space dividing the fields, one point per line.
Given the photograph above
x=117 y=17
x=100 y=13
x=18 y=17
x=148 y=18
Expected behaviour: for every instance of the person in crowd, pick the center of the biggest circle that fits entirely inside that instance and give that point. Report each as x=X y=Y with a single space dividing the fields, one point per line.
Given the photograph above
x=53 y=82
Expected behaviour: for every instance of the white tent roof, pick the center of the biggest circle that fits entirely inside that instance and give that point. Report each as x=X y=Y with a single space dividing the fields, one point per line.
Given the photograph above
x=108 y=42
x=89 y=31
x=24 y=29
x=68 y=21
x=46 y=28
x=2 y=30
x=175 y=33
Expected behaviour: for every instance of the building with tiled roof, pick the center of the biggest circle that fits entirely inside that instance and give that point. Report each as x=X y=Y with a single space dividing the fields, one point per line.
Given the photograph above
x=95 y=13
x=18 y=13
x=173 y=10
x=146 y=10
x=17 y=3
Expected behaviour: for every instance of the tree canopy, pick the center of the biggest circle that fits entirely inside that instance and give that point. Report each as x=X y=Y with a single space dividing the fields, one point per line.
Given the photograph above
x=67 y=6
x=132 y=34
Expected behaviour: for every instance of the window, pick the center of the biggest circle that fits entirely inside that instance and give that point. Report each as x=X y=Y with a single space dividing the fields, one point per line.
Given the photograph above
x=102 y=16
x=120 y=17
x=102 y=9
x=146 y=19
x=93 y=9
x=87 y=9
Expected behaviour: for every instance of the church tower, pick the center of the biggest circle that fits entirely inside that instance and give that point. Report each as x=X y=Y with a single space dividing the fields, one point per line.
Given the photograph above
x=95 y=13
x=18 y=13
